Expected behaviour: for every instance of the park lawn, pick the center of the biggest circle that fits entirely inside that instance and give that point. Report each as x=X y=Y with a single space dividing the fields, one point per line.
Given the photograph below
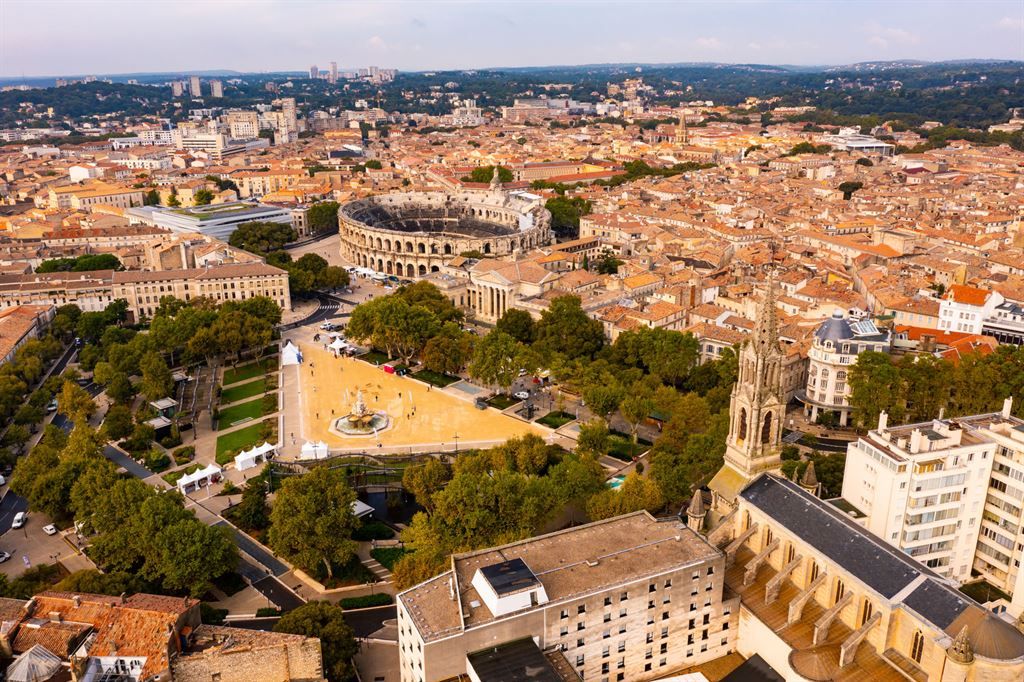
x=502 y=401
x=388 y=556
x=249 y=371
x=435 y=378
x=556 y=419
x=230 y=443
x=173 y=476
x=622 y=447
x=252 y=409
x=242 y=391
x=375 y=357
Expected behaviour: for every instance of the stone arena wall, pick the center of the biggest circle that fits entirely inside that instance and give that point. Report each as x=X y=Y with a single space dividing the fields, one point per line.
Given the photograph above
x=520 y=223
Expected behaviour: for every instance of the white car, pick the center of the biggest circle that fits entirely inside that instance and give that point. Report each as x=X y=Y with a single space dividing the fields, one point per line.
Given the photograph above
x=4 y=556
x=521 y=395
x=50 y=529
x=19 y=520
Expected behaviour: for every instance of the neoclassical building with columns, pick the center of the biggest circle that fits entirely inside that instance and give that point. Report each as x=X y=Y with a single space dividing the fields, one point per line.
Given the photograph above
x=413 y=234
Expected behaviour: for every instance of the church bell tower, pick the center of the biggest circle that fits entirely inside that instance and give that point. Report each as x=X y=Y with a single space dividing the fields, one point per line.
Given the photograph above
x=757 y=408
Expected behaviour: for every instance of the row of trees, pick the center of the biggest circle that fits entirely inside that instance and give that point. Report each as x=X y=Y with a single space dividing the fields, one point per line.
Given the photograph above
x=915 y=388
x=140 y=531
x=490 y=497
x=101 y=261
x=311 y=271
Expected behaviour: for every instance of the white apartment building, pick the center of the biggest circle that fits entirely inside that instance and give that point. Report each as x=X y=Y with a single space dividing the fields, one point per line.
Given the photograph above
x=243 y=125
x=949 y=493
x=629 y=598
x=156 y=137
x=837 y=343
x=965 y=309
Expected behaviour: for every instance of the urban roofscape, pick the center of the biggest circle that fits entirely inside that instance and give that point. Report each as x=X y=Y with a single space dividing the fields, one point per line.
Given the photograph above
x=384 y=351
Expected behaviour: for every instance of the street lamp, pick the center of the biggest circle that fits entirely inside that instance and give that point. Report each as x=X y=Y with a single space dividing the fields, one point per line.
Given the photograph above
x=456 y=443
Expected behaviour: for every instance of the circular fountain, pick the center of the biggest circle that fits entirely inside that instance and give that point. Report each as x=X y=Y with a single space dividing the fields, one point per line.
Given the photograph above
x=361 y=421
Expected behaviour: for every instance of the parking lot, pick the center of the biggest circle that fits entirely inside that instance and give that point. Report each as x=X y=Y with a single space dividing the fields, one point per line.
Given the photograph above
x=30 y=546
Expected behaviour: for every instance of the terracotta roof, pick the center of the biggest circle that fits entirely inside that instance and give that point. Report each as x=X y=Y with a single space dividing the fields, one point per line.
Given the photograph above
x=961 y=293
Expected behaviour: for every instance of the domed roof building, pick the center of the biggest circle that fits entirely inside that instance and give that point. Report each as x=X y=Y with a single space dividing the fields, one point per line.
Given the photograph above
x=837 y=343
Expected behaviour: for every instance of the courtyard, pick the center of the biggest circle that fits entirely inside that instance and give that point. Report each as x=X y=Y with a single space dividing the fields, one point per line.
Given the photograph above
x=421 y=418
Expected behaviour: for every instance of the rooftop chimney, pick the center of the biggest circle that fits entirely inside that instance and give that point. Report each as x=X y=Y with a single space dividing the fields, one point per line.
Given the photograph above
x=883 y=420
x=76 y=600
x=1007 y=406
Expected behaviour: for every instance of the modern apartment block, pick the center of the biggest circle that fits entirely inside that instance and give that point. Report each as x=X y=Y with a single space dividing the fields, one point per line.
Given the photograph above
x=949 y=493
x=628 y=598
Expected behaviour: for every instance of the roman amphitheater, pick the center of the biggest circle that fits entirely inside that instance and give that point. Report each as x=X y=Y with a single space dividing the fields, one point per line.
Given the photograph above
x=414 y=233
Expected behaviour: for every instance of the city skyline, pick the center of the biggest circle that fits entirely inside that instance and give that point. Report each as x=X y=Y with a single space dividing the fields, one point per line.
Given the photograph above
x=477 y=35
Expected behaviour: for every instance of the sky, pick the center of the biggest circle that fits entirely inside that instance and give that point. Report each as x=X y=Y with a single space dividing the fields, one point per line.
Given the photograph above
x=70 y=37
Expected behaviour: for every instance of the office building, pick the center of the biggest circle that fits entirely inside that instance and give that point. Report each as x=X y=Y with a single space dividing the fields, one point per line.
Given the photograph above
x=243 y=125
x=629 y=598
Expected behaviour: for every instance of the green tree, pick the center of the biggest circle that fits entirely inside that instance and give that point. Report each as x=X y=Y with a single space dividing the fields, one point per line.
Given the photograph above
x=498 y=359
x=485 y=174
x=594 y=438
x=414 y=568
x=75 y=403
x=326 y=622
x=635 y=493
x=518 y=324
x=635 y=408
x=91 y=581
x=193 y=554
x=202 y=197
x=875 y=386
x=332 y=277
x=425 y=480
x=604 y=398
x=312 y=520
x=322 y=217
x=449 y=350
x=262 y=238
x=118 y=422
x=252 y=512
x=567 y=330
x=849 y=187
x=156 y=376
x=566 y=213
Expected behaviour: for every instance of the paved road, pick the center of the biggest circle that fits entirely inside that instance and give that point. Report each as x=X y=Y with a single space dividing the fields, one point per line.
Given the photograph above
x=11 y=505
x=327 y=309
x=365 y=622
x=253 y=549
x=129 y=464
x=274 y=590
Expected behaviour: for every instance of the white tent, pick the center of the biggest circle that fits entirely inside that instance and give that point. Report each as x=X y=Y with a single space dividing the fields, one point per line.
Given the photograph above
x=198 y=479
x=35 y=665
x=290 y=354
x=314 y=450
x=247 y=459
x=339 y=344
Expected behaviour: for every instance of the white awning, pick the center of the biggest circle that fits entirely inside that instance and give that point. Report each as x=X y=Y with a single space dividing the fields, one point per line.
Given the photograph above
x=247 y=459
x=290 y=354
x=201 y=477
x=314 y=450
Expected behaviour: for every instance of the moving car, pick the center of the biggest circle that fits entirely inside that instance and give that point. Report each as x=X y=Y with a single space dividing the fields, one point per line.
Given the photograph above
x=19 y=520
x=50 y=529
x=52 y=407
x=4 y=556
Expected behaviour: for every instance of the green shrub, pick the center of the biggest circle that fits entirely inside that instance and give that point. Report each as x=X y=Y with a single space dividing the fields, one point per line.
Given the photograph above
x=210 y=615
x=265 y=611
x=270 y=403
x=373 y=530
x=365 y=601
x=156 y=461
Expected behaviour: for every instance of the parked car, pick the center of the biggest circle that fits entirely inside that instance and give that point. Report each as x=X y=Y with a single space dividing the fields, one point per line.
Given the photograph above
x=4 y=556
x=50 y=529
x=19 y=520
x=3 y=480
x=521 y=395
x=52 y=407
